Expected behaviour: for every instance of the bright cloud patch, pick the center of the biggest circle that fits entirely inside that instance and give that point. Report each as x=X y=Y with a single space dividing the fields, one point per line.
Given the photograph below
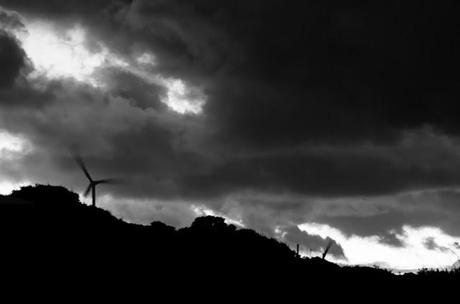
x=63 y=54
x=7 y=187
x=12 y=146
x=57 y=53
x=183 y=99
x=416 y=252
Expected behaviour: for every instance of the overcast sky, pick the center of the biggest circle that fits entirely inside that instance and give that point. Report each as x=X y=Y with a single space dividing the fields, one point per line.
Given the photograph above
x=308 y=121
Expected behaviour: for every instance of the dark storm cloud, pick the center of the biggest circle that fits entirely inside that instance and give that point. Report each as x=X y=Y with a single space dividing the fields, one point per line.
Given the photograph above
x=342 y=72
x=430 y=243
x=22 y=95
x=15 y=90
x=290 y=73
x=421 y=160
x=117 y=137
x=56 y=8
x=379 y=224
x=309 y=242
x=9 y=21
x=12 y=59
x=390 y=238
x=312 y=99
x=127 y=85
x=385 y=216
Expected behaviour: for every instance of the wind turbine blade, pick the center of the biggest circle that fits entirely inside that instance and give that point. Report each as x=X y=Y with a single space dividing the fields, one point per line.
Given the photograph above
x=326 y=250
x=82 y=165
x=87 y=190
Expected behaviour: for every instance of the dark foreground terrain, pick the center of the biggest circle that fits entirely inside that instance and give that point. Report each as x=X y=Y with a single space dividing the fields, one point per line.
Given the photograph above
x=53 y=243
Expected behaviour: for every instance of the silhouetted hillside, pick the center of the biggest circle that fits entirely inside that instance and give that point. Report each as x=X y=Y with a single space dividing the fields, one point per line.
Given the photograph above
x=47 y=230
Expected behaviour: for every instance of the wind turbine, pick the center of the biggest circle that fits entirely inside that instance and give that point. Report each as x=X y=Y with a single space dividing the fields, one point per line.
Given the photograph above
x=326 y=250
x=92 y=183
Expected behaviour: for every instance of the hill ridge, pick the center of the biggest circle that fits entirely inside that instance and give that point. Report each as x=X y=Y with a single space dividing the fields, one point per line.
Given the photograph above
x=50 y=224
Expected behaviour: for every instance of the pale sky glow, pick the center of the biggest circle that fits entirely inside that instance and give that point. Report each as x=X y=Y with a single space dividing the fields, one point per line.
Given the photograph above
x=12 y=147
x=204 y=211
x=368 y=250
x=7 y=187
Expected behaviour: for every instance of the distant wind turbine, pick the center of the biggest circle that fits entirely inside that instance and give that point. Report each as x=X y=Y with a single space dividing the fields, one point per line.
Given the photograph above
x=326 y=250
x=92 y=183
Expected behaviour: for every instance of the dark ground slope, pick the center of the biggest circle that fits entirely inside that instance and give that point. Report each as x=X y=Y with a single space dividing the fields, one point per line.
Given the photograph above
x=47 y=232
